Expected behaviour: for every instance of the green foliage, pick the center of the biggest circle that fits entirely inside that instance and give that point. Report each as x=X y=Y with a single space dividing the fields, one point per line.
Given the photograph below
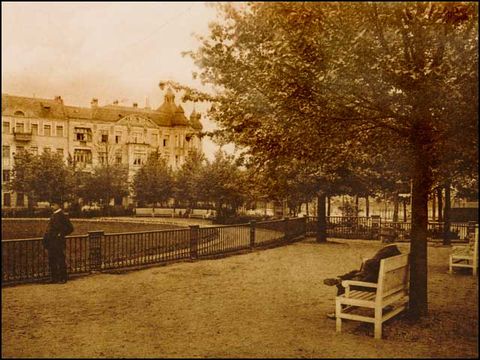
x=103 y=184
x=187 y=178
x=42 y=177
x=222 y=182
x=387 y=88
x=154 y=181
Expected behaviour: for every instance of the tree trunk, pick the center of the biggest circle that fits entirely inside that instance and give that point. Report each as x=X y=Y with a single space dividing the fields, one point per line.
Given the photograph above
x=306 y=205
x=395 y=207
x=440 y=204
x=418 y=305
x=446 y=214
x=367 y=207
x=356 y=205
x=434 y=206
x=321 y=218
x=404 y=210
x=328 y=206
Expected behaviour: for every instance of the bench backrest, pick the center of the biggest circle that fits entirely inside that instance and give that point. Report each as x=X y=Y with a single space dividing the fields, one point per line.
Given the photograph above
x=393 y=275
x=475 y=246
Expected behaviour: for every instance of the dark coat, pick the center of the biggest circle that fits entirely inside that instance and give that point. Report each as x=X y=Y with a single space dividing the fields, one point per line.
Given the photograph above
x=58 y=227
x=371 y=267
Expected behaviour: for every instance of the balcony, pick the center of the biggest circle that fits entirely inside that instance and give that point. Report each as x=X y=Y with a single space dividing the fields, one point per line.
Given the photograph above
x=22 y=136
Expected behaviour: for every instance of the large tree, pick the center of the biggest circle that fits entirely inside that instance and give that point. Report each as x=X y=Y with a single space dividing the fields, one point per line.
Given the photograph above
x=322 y=81
x=187 y=178
x=43 y=177
x=154 y=182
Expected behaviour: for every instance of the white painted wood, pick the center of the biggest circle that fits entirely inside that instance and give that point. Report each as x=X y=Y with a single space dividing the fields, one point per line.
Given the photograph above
x=391 y=289
x=465 y=256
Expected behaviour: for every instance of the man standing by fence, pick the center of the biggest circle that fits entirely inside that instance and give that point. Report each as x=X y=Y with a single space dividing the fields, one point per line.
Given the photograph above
x=54 y=241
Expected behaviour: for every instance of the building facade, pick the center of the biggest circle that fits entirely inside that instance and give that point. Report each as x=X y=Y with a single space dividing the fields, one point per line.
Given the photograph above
x=92 y=136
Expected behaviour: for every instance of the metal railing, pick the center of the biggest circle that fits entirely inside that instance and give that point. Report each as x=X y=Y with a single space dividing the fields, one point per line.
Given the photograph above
x=25 y=260
x=371 y=228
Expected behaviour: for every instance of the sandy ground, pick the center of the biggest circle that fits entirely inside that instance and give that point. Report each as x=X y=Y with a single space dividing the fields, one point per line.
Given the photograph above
x=269 y=303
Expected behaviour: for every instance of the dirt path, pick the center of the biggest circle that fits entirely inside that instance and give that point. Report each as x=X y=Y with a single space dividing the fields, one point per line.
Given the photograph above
x=269 y=303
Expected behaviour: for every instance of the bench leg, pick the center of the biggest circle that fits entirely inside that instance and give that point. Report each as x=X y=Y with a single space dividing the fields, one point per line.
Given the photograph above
x=378 y=323
x=338 y=309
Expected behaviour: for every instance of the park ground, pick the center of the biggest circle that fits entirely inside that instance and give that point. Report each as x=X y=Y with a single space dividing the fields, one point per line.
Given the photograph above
x=268 y=303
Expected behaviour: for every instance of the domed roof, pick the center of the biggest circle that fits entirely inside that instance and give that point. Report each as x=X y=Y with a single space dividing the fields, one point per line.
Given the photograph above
x=170 y=112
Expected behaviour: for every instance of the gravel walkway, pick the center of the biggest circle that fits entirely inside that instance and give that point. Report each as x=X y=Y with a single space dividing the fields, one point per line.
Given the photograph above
x=269 y=303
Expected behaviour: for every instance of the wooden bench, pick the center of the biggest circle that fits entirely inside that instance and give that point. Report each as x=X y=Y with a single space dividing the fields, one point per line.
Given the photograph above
x=390 y=291
x=201 y=213
x=465 y=256
x=157 y=212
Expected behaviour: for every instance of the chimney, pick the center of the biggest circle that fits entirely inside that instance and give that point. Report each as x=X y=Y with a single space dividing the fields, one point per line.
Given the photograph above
x=58 y=99
x=135 y=105
x=94 y=103
x=115 y=102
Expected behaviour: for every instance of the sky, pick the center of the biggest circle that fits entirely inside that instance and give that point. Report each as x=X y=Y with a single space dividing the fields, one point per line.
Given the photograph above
x=104 y=50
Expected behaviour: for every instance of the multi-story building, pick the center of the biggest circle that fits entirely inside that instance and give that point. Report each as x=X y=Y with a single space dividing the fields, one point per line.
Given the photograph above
x=92 y=136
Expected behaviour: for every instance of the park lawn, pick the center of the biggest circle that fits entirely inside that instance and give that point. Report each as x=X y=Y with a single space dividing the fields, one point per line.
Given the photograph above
x=269 y=303
x=33 y=228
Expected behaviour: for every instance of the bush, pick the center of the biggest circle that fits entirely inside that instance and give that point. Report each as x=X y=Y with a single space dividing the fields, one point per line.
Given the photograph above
x=26 y=213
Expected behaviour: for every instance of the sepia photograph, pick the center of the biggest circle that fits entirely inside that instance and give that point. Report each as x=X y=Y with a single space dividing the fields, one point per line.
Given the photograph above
x=240 y=179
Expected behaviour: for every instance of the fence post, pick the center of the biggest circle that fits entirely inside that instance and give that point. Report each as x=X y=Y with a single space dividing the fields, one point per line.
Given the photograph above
x=95 y=249
x=285 y=229
x=194 y=241
x=252 y=233
x=304 y=225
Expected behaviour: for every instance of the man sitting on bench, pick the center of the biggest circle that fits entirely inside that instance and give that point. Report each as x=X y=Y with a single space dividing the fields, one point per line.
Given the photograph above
x=368 y=272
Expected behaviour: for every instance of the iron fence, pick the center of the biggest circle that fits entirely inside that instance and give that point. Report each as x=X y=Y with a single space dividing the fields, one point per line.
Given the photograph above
x=26 y=260
x=372 y=228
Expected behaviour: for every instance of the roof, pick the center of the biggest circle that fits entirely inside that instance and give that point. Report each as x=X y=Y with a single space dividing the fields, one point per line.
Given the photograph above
x=32 y=107
x=168 y=114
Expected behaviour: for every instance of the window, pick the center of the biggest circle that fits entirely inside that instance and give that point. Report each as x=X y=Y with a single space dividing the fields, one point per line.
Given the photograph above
x=82 y=156
x=102 y=157
x=20 y=150
x=137 y=137
x=60 y=152
x=6 y=127
x=47 y=130
x=7 y=199
x=19 y=113
x=118 y=156
x=138 y=158
x=19 y=127
x=34 y=129
x=5 y=152
x=6 y=175
x=34 y=150
x=104 y=138
x=20 y=199
x=118 y=138
x=83 y=134
x=165 y=141
x=60 y=130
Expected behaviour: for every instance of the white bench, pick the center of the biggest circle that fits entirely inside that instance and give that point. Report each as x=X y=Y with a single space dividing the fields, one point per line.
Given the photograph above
x=465 y=256
x=154 y=212
x=391 y=290
x=201 y=213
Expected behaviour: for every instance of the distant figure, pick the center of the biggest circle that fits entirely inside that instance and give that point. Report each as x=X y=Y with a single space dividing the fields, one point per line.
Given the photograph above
x=58 y=227
x=368 y=272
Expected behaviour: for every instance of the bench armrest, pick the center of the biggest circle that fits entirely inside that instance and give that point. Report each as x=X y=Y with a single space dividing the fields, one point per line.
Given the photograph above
x=347 y=283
